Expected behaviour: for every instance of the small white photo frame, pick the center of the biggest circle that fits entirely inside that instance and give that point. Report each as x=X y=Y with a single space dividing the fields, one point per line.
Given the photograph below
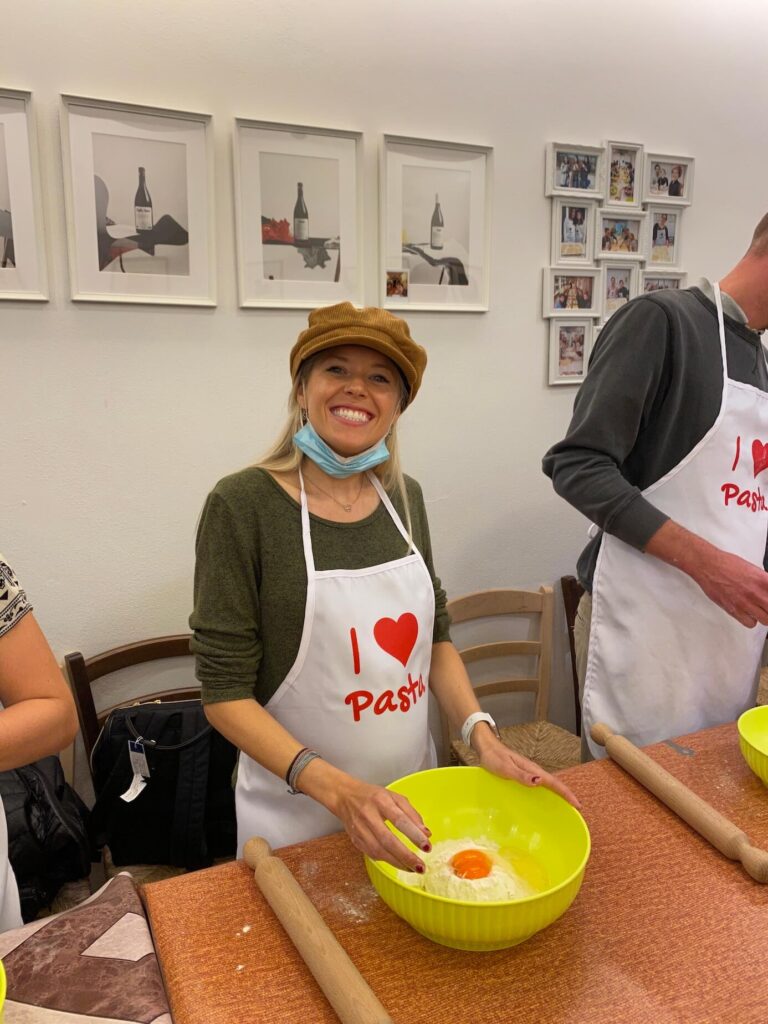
x=570 y=342
x=23 y=261
x=663 y=236
x=620 y=235
x=573 y=232
x=571 y=292
x=624 y=174
x=138 y=188
x=668 y=179
x=574 y=170
x=653 y=280
x=620 y=282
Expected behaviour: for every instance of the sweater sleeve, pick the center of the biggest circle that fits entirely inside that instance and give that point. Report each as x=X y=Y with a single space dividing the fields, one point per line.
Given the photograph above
x=626 y=379
x=423 y=542
x=225 y=620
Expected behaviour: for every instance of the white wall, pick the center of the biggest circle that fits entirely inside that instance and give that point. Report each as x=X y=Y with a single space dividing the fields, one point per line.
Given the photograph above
x=118 y=419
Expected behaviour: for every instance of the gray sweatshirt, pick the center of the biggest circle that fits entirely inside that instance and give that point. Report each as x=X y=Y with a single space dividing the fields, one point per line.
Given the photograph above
x=652 y=392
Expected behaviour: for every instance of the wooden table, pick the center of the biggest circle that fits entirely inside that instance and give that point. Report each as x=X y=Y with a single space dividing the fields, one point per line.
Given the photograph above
x=665 y=930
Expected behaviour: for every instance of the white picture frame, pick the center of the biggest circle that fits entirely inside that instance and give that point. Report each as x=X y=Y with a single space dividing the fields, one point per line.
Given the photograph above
x=574 y=170
x=664 y=172
x=620 y=234
x=162 y=249
x=664 y=222
x=23 y=259
x=577 y=288
x=573 y=232
x=619 y=283
x=285 y=260
x=624 y=170
x=570 y=342
x=443 y=245
x=658 y=279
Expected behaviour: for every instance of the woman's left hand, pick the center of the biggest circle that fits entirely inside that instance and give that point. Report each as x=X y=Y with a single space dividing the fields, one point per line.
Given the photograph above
x=502 y=761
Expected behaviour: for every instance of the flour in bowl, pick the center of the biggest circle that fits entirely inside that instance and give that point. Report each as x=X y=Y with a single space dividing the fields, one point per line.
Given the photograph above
x=467 y=869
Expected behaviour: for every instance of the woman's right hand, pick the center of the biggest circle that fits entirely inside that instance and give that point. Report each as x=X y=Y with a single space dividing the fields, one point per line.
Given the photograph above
x=364 y=808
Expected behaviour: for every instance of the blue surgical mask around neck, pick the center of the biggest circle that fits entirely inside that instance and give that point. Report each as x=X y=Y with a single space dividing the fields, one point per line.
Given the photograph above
x=308 y=441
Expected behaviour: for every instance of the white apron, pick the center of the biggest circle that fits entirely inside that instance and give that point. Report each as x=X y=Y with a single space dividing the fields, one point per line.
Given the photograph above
x=10 y=907
x=663 y=659
x=357 y=692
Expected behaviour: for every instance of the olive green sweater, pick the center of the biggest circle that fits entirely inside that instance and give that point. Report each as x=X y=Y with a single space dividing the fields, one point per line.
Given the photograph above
x=251 y=580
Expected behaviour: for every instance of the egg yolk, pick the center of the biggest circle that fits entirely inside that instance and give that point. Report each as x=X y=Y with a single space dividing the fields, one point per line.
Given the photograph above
x=471 y=864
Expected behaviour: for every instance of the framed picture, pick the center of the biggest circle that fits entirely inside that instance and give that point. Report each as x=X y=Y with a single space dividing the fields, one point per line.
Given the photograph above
x=624 y=171
x=573 y=231
x=569 y=344
x=573 y=170
x=22 y=249
x=658 y=280
x=139 y=201
x=663 y=236
x=571 y=292
x=620 y=283
x=435 y=223
x=620 y=236
x=298 y=209
x=668 y=179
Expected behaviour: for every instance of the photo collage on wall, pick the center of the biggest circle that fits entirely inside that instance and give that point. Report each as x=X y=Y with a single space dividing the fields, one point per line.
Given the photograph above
x=617 y=213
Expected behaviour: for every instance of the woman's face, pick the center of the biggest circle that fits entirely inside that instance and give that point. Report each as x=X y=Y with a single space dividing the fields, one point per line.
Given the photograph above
x=352 y=397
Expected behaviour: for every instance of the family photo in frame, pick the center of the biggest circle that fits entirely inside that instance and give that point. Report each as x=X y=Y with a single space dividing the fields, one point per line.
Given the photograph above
x=619 y=286
x=664 y=235
x=574 y=170
x=569 y=347
x=572 y=231
x=624 y=171
x=668 y=179
x=568 y=291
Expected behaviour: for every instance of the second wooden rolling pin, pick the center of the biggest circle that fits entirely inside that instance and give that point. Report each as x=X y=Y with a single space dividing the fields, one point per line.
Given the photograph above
x=700 y=815
x=342 y=984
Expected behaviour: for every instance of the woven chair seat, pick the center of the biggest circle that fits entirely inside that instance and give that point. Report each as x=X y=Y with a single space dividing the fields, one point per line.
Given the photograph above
x=548 y=745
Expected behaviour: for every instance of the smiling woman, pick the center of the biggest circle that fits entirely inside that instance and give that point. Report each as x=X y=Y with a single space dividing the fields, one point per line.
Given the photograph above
x=316 y=658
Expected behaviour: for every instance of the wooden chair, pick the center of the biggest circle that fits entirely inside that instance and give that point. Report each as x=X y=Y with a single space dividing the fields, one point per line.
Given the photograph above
x=84 y=672
x=550 y=746
x=572 y=593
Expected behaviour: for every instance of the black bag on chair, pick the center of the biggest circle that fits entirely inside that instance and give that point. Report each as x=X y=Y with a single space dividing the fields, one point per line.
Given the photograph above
x=185 y=813
x=47 y=837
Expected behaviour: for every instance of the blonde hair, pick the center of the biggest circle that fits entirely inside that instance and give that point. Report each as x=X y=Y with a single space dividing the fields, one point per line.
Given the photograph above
x=285 y=457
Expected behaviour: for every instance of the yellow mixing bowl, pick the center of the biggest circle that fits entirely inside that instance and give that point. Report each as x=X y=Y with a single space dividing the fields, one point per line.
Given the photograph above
x=3 y=984
x=542 y=834
x=753 y=740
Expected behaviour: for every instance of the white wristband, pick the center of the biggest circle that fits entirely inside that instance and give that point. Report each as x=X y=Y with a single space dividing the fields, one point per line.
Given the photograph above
x=471 y=722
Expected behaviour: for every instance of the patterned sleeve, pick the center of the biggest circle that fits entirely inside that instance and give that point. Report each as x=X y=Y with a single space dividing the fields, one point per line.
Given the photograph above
x=14 y=603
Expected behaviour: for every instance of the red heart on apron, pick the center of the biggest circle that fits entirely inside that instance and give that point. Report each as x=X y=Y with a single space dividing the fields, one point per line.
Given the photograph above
x=397 y=638
x=759 y=456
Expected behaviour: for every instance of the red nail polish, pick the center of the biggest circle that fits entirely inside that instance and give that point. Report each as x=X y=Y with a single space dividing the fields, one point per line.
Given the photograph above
x=427 y=847
x=535 y=779
x=419 y=868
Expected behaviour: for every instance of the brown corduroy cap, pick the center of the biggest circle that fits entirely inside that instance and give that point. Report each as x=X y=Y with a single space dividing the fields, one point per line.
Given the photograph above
x=374 y=328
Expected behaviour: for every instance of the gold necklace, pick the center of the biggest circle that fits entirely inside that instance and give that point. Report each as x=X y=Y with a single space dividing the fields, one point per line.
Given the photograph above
x=341 y=504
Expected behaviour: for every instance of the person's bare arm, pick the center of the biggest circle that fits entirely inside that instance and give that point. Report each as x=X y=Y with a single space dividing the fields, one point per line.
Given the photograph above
x=38 y=716
x=737 y=586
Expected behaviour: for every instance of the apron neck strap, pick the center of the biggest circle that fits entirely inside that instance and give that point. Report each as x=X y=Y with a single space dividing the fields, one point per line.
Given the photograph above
x=306 y=538
x=392 y=511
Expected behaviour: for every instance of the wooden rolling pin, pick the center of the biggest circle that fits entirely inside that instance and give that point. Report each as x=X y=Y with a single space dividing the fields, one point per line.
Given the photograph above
x=343 y=985
x=700 y=815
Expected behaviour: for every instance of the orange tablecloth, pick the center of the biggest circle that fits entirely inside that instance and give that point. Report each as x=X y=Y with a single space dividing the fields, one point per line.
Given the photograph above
x=665 y=930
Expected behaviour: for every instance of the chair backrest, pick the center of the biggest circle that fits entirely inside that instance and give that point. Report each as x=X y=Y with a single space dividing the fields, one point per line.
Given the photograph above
x=572 y=591
x=83 y=673
x=533 y=604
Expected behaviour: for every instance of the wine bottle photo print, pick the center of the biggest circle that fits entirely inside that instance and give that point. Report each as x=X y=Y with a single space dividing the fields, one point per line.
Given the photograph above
x=435 y=223
x=138 y=190
x=298 y=214
x=22 y=249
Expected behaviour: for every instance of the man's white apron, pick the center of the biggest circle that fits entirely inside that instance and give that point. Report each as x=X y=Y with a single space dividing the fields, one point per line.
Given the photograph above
x=663 y=659
x=357 y=692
